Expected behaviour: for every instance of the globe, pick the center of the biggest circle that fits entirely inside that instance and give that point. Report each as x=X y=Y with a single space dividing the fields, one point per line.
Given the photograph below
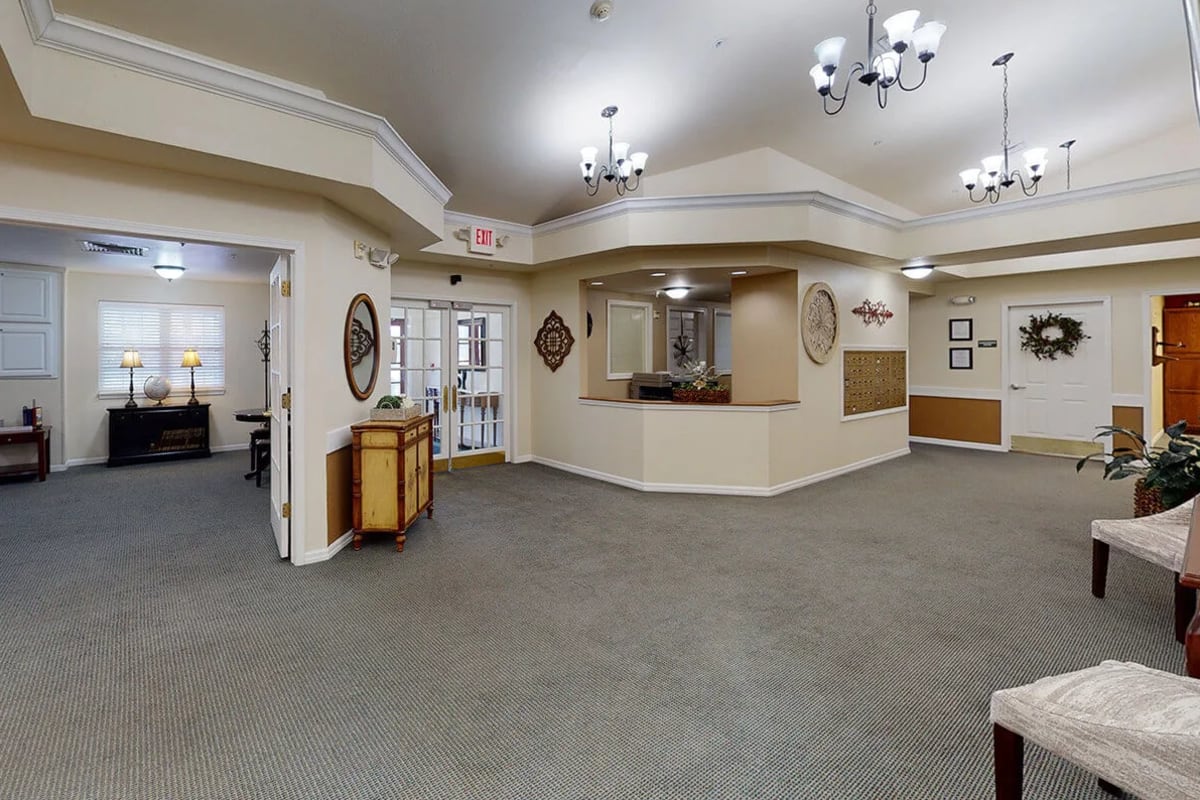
x=157 y=388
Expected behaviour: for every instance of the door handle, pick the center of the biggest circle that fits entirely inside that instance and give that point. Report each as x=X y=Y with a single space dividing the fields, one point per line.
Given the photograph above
x=445 y=394
x=1014 y=386
x=454 y=394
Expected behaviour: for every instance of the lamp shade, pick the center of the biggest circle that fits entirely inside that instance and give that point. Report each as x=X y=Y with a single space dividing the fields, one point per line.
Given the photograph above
x=970 y=177
x=900 y=26
x=927 y=38
x=131 y=359
x=191 y=358
x=829 y=53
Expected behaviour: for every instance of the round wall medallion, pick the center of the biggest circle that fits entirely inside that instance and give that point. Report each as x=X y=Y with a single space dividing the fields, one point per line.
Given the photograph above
x=819 y=322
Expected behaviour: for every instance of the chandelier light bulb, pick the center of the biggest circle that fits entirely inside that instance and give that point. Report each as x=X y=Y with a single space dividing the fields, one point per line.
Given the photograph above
x=829 y=53
x=586 y=169
x=820 y=79
x=887 y=65
x=970 y=178
x=899 y=29
x=925 y=40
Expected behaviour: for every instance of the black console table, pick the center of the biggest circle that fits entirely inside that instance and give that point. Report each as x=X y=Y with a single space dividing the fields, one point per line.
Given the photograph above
x=157 y=433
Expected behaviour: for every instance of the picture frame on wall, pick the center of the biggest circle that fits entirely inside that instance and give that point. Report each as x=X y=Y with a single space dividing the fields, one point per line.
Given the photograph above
x=962 y=358
x=962 y=330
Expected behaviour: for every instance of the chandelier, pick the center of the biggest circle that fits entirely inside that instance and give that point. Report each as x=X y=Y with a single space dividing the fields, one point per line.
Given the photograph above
x=886 y=68
x=996 y=175
x=620 y=167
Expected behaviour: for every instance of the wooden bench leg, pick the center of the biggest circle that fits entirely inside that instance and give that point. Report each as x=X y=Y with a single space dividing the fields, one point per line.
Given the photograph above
x=1099 y=567
x=1185 y=608
x=1108 y=787
x=1010 y=762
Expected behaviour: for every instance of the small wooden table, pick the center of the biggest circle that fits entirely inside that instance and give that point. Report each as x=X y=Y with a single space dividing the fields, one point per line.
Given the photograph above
x=26 y=435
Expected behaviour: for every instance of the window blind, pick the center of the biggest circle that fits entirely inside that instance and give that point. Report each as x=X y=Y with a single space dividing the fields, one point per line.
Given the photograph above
x=160 y=332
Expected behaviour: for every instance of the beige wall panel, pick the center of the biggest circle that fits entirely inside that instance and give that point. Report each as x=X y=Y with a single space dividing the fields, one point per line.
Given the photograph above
x=339 y=510
x=701 y=447
x=766 y=337
x=954 y=418
x=1124 y=284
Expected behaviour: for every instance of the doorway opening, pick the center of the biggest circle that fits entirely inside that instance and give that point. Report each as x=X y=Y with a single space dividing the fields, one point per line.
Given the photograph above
x=1175 y=363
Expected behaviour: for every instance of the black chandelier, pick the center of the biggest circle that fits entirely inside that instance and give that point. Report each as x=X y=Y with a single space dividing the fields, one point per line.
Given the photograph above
x=996 y=175
x=621 y=165
x=885 y=69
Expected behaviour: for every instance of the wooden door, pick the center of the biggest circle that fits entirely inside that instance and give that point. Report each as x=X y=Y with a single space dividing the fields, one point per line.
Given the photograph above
x=1181 y=378
x=410 y=481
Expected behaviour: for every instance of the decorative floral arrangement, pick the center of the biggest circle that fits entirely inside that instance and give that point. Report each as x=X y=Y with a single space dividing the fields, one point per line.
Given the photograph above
x=700 y=385
x=875 y=311
x=1036 y=339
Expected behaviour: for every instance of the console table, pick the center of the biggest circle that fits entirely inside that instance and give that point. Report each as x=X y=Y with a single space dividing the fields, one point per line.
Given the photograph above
x=157 y=433
x=35 y=436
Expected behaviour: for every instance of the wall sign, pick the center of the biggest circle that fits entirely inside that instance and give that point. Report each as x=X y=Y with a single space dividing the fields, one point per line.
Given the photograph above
x=987 y=342
x=482 y=240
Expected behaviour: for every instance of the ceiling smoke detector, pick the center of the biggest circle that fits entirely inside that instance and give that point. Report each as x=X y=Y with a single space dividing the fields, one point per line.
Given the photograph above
x=601 y=10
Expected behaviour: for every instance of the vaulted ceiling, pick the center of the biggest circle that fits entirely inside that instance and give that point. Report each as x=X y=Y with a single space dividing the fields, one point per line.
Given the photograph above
x=497 y=98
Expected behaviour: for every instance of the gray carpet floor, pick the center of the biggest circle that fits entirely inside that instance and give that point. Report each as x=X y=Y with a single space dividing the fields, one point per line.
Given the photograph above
x=553 y=638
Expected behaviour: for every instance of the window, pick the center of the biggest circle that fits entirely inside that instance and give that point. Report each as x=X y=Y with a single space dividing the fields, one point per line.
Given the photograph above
x=687 y=338
x=160 y=332
x=723 y=342
x=629 y=338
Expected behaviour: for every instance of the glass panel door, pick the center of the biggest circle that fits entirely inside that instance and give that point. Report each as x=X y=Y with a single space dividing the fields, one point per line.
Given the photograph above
x=454 y=362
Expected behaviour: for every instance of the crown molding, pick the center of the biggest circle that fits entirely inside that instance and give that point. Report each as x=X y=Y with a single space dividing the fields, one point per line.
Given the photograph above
x=628 y=205
x=455 y=219
x=156 y=59
x=1104 y=192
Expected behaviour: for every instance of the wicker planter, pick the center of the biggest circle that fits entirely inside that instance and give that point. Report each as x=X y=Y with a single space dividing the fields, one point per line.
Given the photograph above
x=1146 y=501
x=700 y=395
x=395 y=414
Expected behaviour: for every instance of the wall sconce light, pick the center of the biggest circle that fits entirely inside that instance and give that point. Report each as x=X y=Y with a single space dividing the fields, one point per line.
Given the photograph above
x=131 y=360
x=962 y=299
x=378 y=257
x=192 y=359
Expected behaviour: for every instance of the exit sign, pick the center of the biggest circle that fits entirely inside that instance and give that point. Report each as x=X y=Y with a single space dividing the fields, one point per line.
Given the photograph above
x=483 y=240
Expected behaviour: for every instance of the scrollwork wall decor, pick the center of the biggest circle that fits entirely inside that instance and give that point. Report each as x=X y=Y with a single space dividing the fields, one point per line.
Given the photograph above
x=553 y=341
x=819 y=326
x=873 y=311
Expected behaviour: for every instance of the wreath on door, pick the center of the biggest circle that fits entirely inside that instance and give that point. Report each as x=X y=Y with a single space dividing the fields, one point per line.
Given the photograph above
x=1052 y=335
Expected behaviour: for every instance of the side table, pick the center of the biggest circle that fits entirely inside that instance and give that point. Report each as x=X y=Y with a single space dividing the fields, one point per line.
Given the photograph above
x=27 y=435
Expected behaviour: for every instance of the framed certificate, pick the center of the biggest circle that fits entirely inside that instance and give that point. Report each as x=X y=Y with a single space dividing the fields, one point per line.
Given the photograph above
x=962 y=330
x=962 y=358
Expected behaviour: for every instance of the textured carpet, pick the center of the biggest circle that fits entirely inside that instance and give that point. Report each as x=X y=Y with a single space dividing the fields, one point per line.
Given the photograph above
x=547 y=636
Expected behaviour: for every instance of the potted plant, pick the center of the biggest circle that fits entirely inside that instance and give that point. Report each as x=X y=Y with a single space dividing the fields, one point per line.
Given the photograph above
x=1167 y=476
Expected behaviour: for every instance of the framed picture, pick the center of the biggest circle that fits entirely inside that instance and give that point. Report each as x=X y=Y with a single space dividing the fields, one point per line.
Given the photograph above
x=962 y=330
x=962 y=358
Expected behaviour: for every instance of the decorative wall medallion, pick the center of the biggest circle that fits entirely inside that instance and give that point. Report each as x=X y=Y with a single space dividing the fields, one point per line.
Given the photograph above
x=553 y=341
x=819 y=327
x=873 y=311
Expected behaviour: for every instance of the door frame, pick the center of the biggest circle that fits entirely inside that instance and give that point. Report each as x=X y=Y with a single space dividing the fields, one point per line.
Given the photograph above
x=1147 y=368
x=292 y=248
x=1006 y=307
x=510 y=352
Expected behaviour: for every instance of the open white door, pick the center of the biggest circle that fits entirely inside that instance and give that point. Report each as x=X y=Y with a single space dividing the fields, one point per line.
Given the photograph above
x=281 y=414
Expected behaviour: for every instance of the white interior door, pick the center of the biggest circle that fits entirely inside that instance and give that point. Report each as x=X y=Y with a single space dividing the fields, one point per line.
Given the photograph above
x=281 y=425
x=1064 y=398
x=453 y=359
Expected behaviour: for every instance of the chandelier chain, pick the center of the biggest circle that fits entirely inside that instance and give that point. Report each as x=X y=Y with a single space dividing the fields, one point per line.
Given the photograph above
x=1004 y=142
x=871 y=9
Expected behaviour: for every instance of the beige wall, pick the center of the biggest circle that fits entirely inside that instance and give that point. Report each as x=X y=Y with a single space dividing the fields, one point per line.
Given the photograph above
x=766 y=337
x=85 y=418
x=1156 y=373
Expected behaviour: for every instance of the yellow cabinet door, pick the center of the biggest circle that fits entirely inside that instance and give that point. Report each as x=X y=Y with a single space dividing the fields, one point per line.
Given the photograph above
x=424 y=472
x=410 y=482
x=380 y=498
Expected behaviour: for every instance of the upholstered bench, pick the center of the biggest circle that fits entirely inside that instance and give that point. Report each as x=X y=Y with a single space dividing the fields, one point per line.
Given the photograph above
x=1133 y=727
x=1159 y=539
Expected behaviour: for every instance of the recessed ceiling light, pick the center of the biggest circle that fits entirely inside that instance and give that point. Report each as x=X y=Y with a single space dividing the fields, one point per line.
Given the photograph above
x=597 y=283
x=658 y=274
x=738 y=272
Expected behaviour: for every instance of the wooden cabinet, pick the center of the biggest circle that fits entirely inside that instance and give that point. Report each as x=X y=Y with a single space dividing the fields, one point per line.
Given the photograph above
x=157 y=433
x=392 y=476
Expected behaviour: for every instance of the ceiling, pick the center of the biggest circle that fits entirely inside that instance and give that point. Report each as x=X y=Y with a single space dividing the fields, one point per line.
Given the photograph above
x=497 y=98
x=60 y=247
x=704 y=285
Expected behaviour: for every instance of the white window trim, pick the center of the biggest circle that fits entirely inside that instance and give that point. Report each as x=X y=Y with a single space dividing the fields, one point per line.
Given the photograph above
x=722 y=313
x=647 y=338
x=706 y=330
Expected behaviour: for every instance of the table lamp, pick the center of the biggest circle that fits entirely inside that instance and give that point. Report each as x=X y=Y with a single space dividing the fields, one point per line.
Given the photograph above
x=192 y=359
x=130 y=360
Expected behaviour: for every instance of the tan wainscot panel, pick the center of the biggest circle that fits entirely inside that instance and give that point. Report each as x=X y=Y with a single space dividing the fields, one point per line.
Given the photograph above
x=957 y=419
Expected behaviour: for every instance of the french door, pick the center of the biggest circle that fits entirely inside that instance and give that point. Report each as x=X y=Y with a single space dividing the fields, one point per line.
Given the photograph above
x=452 y=359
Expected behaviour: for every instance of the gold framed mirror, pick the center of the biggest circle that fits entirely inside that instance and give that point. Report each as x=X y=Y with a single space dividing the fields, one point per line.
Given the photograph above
x=361 y=346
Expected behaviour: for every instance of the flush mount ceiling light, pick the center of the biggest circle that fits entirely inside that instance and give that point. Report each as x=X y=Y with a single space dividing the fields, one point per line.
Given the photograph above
x=996 y=175
x=677 y=292
x=886 y=68
x=917 y=271
x=658 y=274
x=621 y=165
x=168 y=271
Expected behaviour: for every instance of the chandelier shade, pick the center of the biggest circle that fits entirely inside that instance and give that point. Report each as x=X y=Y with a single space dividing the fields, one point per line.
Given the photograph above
x=996 y=174
x=884 y=70
x=622 y=166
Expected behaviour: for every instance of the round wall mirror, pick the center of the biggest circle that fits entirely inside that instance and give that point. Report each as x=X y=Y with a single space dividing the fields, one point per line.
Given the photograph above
x=362 y=346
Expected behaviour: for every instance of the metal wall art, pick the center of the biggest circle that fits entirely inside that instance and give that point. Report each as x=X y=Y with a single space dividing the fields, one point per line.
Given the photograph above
x=553 y=341
x=873 y=311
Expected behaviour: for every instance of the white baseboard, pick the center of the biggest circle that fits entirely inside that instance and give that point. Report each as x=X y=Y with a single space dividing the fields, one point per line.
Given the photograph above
x=84 y=462
x=993 y=448
x=525 y=459
x=93 y=460
x=695 y=488
x=328 y=552
x=229 y=448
